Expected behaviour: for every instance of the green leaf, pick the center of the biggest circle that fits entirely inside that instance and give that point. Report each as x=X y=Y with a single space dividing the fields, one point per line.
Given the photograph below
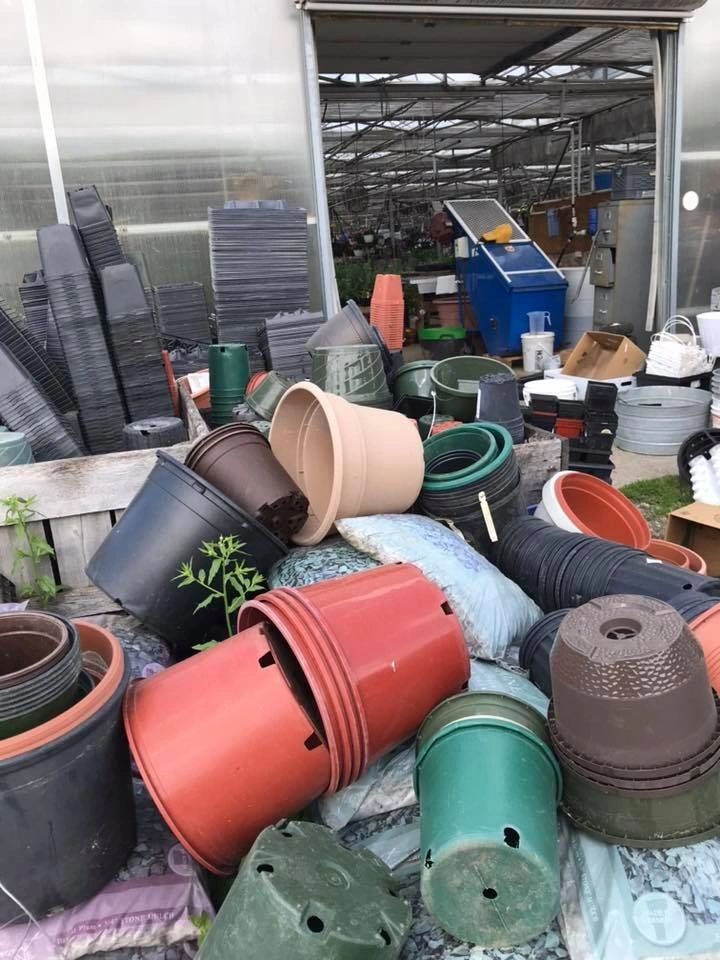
x=214 y=568
x=236 y=604
x=205 y=646
x=236 y=585
x=204 y=603
x=201 y=576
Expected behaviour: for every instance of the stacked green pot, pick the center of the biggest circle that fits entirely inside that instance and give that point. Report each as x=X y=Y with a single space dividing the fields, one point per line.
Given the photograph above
x=14 y=448
x=39 y=669
x=229 y=374
x=471 y=470
x=488 y=786
x=413 y=380
x=356 y=373
x=300 y=895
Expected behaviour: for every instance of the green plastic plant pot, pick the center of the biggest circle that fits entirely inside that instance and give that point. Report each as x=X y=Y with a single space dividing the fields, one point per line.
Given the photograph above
x=472 y=433
x=488 y=786
x=456 y=380
x=300 y=895
x=433 y=334
x=467 y=437
x=355 y=373
x=229 y=373
x=413 y=380
x=639 y=818
x=267 y=395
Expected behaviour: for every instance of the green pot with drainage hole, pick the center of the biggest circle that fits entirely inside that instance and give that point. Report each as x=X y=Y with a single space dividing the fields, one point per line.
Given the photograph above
x=488 y=786
x=300 y=895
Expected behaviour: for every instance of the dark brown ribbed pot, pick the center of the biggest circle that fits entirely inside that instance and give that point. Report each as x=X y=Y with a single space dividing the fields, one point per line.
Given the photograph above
x=630 y=686
x=237 y=459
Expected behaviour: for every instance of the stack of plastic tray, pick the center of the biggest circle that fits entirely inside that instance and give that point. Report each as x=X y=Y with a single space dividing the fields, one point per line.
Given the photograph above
x=181 y=311
x=96 y=228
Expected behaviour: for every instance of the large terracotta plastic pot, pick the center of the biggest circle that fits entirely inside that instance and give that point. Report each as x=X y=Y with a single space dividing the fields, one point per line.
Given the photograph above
x=668 y=553
x=348 y=460
x=707 y=632
x=488 y=786
x=237 y=460
x=365 y=643
x=68 y=819
x=581 y=503
x=226 y=747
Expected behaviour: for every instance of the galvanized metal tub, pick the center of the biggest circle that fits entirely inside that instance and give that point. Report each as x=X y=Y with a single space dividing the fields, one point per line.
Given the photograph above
x=656 y=420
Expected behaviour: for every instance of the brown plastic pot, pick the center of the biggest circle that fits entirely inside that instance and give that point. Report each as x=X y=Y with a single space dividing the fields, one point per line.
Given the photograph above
x=630 y=686
x=668 y=553
x=365 y=643
x=348 y=460
x=103 y=648
x=599 y=510
x=238 y=460
x=226 y=747
x=30 y=643
x=706 y=629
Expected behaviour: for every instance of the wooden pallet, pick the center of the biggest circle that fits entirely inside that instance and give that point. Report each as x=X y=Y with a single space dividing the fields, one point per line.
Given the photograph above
x=79 y=501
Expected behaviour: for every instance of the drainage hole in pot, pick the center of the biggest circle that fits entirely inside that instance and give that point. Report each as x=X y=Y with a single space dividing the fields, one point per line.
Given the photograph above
x=490 y=893
x=512 y=837
x=620 y=629
x=265 y=868
x=313 y=741
x=315 y=924
x=286 y=833
x=386 y=936
x=266 y=660
x=428 y=859
x=392 y=892
x=446 y=609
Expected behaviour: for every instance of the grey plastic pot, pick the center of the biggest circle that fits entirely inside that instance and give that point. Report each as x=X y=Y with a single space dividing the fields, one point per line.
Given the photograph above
x=355 y=373
x=346 y=328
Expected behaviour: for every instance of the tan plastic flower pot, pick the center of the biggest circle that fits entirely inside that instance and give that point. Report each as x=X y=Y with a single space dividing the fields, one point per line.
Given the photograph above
x=348 y=460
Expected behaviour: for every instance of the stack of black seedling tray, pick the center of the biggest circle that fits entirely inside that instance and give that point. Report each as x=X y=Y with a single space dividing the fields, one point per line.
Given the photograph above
x=543 y=412
x=135 y=343
x=186 y=356
x=181 y=311
x=34 y=299
x=590 y=453
x=96 y=228
x=282 y=343
x=29 y=352
x=259 y=263
x=76 y=313
x=24 y=408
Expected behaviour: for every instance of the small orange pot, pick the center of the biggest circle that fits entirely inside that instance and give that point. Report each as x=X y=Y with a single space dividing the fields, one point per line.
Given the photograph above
x=226 y=747
x=668 y=553
x=707 y=631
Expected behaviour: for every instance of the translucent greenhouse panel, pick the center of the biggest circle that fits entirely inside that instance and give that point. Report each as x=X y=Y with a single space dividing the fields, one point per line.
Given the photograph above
x=173 y=106
x=25 y=195
x=699 y=222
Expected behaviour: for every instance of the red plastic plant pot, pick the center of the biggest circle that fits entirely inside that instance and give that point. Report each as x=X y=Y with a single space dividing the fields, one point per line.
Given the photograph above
x=226 y=746
x=707 y=632
x=390 y=632
x=669 y=553
x=600 y=510
x=696 y=563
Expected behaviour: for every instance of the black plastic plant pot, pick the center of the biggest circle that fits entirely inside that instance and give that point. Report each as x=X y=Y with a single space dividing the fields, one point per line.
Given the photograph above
x=68 y=817
x=690 y=604
x=534 y=653
x=173 y=513
x=698 y=444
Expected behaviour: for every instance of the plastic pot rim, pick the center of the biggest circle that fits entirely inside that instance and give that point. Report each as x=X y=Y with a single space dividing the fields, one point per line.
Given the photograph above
x=68 y=722
x=476 y=472
x=454 y=391
x=441 y=481
x=60 y=648
x=631 y=516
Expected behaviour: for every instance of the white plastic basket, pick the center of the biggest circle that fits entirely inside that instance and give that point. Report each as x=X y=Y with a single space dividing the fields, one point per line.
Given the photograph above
x=709 y=325
x=678 y=355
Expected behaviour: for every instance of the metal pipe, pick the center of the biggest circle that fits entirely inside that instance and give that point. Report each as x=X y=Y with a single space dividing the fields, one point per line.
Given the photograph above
x=641 y=17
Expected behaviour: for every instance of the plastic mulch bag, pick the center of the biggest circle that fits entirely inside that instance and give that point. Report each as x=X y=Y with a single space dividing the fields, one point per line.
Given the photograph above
x=619 y=902
x=492 y=610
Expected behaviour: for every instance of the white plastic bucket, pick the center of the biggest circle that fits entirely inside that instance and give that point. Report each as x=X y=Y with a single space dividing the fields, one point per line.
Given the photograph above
x=562 y=389
x=709 y=326
x=535 y=347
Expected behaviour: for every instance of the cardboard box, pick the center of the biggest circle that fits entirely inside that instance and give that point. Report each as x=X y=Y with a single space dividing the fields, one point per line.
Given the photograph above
x=697 y=526
x=604 y=356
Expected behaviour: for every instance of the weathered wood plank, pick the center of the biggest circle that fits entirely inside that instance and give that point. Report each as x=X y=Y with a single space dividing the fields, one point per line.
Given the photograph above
x=23 y=573
x=84 y=602
x=76 y=539
x=194 y=422
x=538 y=460
x=69 y=488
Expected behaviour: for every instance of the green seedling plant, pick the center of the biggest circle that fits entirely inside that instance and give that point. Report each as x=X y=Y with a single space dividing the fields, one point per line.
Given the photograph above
x=227 y=579
x=20 y=512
